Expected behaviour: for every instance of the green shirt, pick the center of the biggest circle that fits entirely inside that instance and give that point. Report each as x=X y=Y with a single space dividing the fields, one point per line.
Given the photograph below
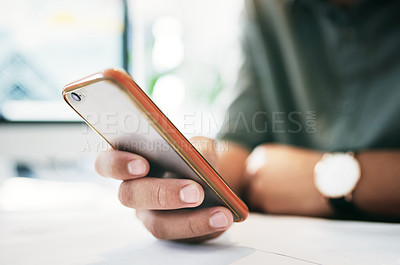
x=319 y=76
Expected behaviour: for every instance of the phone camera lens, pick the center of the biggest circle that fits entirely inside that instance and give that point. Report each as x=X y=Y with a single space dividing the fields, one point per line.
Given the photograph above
x=76 y=97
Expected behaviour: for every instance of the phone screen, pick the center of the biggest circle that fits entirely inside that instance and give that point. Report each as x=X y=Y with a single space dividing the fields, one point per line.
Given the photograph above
x=107 y=108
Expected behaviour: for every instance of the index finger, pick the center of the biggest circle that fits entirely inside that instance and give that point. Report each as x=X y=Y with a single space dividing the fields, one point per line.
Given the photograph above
x=121 y=165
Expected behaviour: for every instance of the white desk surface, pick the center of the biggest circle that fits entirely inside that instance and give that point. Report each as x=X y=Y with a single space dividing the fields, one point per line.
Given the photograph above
x=112 y=235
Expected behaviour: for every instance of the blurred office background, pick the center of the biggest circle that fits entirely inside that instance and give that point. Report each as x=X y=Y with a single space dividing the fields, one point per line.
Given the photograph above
x=184 y=54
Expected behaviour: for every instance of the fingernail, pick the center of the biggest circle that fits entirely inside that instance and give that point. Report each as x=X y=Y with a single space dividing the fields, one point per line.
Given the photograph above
x=136 y=167
x=219 y=220
x=190 y=194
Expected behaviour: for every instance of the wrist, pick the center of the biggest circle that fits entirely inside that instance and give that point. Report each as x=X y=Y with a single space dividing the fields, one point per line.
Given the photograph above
x=322 y=206
x=336 y=176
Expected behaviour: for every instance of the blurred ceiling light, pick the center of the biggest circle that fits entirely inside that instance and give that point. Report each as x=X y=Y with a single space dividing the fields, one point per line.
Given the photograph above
x=168 y=50
x=169 y=93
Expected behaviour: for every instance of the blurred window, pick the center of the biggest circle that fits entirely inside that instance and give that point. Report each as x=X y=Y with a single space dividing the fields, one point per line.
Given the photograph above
x=46 y=44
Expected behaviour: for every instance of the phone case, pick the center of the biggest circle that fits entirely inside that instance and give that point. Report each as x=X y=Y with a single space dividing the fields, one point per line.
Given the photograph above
x=175 y=157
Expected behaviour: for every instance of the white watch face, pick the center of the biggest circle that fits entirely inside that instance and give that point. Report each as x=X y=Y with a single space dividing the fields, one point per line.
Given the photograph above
x=337 y=174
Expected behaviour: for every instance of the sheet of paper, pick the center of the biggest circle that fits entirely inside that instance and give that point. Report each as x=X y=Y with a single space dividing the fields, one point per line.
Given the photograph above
x=112 y=235
x=162 y=252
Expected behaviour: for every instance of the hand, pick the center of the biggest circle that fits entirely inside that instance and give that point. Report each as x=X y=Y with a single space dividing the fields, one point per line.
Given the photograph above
x=280 y=180
x=159 y=202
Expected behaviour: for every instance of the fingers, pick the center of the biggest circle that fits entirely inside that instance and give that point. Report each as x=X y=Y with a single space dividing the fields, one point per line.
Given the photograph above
x=150 y=195
x=121 y=165
x=184 y=224
x=206 y=147
x=160 y=194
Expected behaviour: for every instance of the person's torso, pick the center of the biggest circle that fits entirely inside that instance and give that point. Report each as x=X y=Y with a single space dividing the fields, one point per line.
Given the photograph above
x=335 y=73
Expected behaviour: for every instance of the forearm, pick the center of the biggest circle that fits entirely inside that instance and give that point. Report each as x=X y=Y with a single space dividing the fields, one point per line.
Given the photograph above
x=378 y=192
x=284 y=182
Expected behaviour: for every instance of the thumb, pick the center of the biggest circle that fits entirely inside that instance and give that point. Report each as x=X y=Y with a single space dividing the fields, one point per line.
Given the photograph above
x=206 y=147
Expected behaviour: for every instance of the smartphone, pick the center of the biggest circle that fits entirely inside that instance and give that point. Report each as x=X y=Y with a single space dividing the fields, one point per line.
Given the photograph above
x=113 y=105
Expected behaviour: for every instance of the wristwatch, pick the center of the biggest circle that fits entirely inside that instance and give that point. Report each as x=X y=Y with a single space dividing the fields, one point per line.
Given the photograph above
x=336 y=176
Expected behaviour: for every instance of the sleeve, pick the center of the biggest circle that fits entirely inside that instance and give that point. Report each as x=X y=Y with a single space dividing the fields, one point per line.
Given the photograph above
x=245 y=119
